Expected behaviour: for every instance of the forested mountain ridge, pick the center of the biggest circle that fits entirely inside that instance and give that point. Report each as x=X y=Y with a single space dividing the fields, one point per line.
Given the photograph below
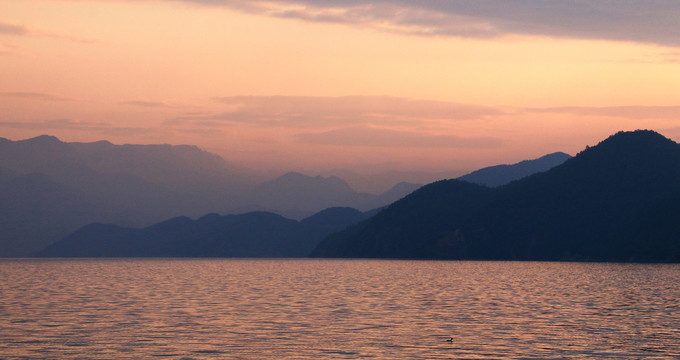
x=617 y=201
x=416 y=226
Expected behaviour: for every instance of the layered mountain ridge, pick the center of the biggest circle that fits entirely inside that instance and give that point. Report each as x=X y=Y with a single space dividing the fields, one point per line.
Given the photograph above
x=51 y=188
x=256 y=234
x=617 y=201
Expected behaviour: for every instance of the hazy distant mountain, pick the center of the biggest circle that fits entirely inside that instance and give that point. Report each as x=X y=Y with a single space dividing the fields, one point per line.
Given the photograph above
x=376 y=182
x=301 y=192
x=27 y=156
x=178 y=167
x=498 y=175
x=257 y=234
x=73 y=184
x=35 y=211
x=397 y=192
x=617 y=201
x=141 y=184
x=299 y=195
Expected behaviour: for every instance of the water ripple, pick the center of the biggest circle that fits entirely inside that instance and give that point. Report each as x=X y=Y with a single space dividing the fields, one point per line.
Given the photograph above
x=336 y=309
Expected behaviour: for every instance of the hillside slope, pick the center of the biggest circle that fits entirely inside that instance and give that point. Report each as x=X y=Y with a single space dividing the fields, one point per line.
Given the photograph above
x=617 y=201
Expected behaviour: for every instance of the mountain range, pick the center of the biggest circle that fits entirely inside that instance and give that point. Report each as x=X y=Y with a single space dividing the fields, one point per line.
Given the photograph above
x=494 y=176
x=297 y=196
x=616 y=201
x=51 y=188
x=255 y=234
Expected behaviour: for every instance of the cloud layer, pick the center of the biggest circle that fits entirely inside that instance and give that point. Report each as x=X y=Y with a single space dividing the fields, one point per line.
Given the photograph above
x=13 y=29
x=75 y=125
x=645 y=21
x=376 y=137
x=313 y=111
x=384 y=121
x=627 y=112
x=35 y=96
x=377 y=121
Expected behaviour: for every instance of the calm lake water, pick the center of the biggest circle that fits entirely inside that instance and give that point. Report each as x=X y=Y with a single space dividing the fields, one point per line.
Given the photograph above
x=336 y=309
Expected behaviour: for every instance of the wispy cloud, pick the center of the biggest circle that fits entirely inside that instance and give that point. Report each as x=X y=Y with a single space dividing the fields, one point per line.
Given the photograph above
x=671 y=57
x=75 y=125
x=379 y=137
x=13 y=29
x=673 y=132
x=383 y=121
x=147 y=104
x=10 y=29
x=35 y=96
x=319 y=112
x=6 y=52
x=627 y=112
x=646 y=21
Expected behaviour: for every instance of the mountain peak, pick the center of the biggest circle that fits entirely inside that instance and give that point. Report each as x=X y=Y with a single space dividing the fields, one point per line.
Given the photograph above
x=292 y=175
x=616 y=201
x=636 y=134
x=638 y=140
x=297 y=179
x=44 y=139
x=494 y=176
x=632 y=149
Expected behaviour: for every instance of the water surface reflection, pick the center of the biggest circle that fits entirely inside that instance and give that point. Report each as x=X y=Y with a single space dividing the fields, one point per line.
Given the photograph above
x=344 y=309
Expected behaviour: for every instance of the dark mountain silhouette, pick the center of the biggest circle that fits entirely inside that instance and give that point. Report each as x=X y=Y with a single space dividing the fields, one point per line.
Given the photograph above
x=336 y=218
x=498 y=175
x=416 y=226
x=659 y=224
x=397 y=192
x=256 y=234
x=585 y=209
x=617 y=201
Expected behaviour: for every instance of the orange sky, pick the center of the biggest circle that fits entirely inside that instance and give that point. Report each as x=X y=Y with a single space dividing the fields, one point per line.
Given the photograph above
x=316 y=85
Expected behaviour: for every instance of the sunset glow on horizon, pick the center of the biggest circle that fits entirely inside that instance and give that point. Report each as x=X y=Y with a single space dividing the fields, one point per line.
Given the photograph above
x=318 y=85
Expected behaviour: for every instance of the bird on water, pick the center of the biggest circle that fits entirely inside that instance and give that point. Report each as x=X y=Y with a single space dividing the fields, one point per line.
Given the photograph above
x=450 y=340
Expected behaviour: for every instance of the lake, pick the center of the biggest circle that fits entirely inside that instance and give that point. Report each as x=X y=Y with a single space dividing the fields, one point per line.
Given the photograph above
x=336 y=309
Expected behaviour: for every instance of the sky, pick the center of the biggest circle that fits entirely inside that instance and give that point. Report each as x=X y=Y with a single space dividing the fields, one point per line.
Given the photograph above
x=318 y=85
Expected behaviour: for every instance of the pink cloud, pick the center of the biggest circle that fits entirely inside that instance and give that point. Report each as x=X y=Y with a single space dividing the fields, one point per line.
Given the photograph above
x=315 y=112
x=35 y=96
x=377 y=137
x=627 y=112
